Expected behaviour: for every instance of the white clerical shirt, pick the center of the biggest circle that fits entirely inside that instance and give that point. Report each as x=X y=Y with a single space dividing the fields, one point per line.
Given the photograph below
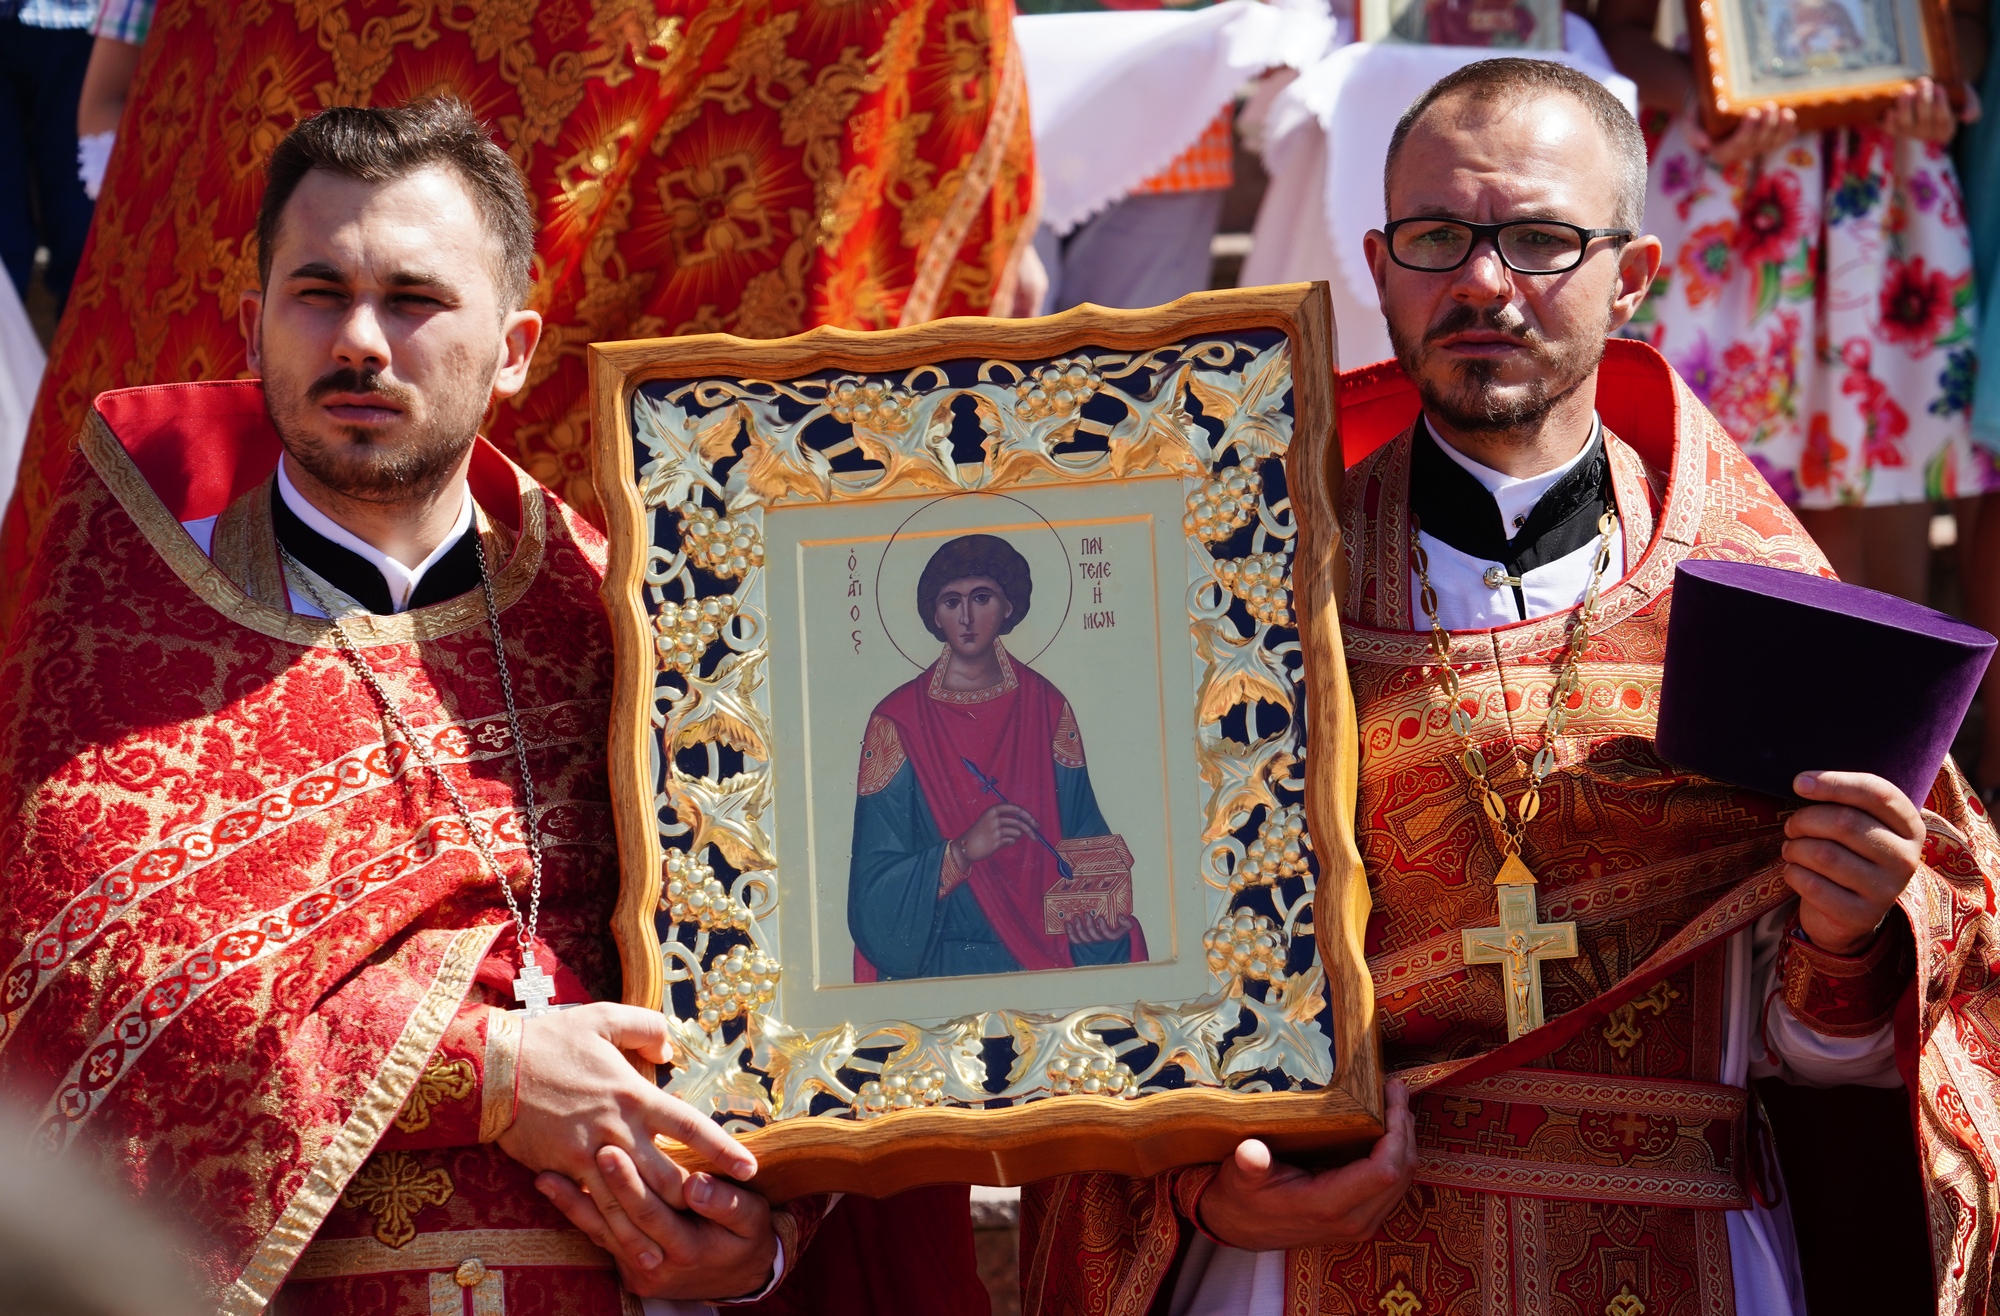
x=401 y=580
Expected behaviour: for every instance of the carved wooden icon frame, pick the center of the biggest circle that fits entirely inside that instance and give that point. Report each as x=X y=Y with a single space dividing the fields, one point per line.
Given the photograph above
x=736 y=475
x=1730 y=39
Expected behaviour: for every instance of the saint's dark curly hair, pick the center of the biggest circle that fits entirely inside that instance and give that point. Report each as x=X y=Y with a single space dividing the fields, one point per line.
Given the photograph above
x=975 y=555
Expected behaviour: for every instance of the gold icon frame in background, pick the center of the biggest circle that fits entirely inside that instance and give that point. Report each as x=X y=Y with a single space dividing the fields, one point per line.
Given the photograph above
x=1725 y=35
x=1282 y=1044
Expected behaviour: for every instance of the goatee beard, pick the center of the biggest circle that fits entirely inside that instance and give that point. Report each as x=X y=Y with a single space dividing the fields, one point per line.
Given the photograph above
x=423 y=460
x=1472 y=404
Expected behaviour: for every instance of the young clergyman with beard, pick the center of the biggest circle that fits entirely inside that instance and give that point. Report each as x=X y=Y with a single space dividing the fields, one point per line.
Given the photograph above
x=302 y=793
x=1577 y=1150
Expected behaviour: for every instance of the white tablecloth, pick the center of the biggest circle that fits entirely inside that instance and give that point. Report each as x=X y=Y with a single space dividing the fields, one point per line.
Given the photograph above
x=1114 y=97
x=1325 y=139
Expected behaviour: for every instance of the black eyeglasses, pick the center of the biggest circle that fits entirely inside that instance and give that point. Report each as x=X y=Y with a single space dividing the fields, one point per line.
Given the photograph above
x=1526 y=246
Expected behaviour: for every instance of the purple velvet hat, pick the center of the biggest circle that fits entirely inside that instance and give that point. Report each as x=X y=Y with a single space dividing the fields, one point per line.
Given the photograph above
x=1771 y=673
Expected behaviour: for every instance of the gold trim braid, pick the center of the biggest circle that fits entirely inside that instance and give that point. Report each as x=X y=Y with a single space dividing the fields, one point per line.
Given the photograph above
x=941 y=252
x=245 y=546
x=281 y=1248
x=339 y=1258
x=107 y=456
x=497 y=1094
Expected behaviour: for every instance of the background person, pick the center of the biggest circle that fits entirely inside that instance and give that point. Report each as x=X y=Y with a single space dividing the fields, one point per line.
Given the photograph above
x=44 y=48
x=1817 y=296
x=1979 y=520
x=120 y=32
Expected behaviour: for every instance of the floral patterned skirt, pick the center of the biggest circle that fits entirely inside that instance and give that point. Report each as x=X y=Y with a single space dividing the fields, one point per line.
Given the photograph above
x=1820 y=301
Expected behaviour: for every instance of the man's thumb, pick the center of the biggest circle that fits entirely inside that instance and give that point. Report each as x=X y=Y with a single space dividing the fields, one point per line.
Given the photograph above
x=1252 y=1162
x=735 y=1208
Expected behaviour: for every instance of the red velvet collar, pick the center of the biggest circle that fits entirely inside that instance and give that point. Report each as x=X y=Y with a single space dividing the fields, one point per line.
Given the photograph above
x=201 y=446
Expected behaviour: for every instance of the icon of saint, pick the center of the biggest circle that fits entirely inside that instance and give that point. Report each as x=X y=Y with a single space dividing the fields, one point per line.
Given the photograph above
x=1825 y=32
x=974 y=796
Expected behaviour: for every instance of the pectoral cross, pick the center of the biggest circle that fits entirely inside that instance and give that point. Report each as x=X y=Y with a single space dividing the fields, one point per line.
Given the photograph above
x=536 y=989
x=1519 y=945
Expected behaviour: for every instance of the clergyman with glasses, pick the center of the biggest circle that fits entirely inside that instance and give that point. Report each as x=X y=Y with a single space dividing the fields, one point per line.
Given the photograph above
x=1566 y=1124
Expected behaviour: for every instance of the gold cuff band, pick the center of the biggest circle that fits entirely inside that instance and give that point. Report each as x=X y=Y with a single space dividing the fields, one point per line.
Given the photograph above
x=503 y=1058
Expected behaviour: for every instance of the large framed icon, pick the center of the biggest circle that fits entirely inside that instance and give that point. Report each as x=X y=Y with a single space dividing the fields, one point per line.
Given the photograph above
x=982 y=751
x=1833 y=62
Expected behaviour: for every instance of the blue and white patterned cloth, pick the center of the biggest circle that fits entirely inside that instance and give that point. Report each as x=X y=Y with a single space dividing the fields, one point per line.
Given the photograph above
x=125 y=20
x=58 y=14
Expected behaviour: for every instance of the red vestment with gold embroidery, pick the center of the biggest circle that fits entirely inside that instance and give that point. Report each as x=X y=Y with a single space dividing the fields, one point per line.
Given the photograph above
x=1584 y=1167
x=250 y=954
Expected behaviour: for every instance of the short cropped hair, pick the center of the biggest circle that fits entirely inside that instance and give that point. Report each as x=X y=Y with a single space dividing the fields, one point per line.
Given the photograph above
x=975 y=555
x=1512 y=79
x=378 y=145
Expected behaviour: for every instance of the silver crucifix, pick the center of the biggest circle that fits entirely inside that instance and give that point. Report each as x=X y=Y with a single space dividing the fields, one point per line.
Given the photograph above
x=535 y=989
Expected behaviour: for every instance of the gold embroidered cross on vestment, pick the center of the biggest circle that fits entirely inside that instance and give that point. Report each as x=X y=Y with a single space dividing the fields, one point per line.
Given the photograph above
x=1521 y=941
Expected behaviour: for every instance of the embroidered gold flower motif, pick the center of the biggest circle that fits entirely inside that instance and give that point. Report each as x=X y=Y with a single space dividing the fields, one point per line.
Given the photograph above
x=259 y=110
x=443 y=1080
x=393 y=1187
x=715 y=210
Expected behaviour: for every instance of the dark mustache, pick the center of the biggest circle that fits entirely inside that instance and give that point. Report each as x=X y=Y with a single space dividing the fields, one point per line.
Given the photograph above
x=1502 y=319
x=349 y=380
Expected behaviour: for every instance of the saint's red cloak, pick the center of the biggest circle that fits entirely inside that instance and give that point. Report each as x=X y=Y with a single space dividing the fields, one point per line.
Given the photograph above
x=1008 y=735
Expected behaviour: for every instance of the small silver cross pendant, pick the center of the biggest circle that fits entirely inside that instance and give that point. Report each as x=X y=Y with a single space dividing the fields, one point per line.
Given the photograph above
x=535 y=989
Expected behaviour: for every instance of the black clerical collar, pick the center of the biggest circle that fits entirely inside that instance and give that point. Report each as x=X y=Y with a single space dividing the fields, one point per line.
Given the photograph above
x=1453 y=507
x=358 y=578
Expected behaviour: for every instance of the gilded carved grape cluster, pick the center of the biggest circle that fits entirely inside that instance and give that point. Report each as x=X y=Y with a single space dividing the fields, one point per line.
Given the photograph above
x=1095 y=1075
x=719 y=545
x=1245 y=946
x=691 y=893
x=1263 y=582
x=1059 y=388
x=1279 y=852
x=1223 y=504
x=742 y=980
x=910 y=1090
x=682 y=632
x=871 y=405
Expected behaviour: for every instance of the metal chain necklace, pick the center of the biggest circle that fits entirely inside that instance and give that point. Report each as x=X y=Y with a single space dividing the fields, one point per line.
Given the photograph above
x=533 y=987
x=1520 y=941
x=1483 y=793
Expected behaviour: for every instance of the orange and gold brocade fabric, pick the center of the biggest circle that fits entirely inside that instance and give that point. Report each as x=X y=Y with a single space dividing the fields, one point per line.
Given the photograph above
x=1584 y=1169
x=756 y=167
x=247 y=949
